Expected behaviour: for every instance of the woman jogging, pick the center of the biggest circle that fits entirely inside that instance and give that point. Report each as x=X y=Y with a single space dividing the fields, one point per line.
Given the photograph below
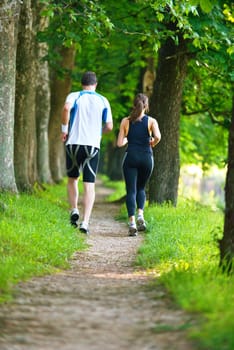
x=141 y=133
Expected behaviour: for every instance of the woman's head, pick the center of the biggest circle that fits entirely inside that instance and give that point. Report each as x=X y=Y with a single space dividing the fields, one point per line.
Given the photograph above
x=140 y=104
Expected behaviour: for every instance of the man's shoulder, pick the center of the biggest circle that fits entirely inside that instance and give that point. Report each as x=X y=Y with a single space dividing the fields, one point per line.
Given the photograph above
x=100 y=95
x=72 y=96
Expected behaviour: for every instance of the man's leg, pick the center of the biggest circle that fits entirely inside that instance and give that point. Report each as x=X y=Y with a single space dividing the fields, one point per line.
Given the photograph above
x=88 y=200
x=73 y=193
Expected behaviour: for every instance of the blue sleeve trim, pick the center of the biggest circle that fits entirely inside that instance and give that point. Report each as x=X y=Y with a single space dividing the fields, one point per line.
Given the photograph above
x=104 y=115
x=73 y=112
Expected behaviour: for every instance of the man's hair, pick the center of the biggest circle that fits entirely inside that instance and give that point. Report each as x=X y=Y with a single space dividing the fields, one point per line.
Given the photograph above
x=89 y=78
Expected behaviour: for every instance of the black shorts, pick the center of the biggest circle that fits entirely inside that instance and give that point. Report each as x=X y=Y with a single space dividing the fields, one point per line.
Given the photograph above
x=82 y=158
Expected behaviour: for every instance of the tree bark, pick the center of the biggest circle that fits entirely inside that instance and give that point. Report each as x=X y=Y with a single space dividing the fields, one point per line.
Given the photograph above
x=149 y=77
x=60 y=87
x=9 y=14
x=42 y=103
x=227 y=242
x=165 y=104
x=25 y=125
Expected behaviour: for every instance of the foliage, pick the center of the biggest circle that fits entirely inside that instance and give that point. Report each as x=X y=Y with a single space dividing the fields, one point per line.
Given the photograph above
x=116 y=39
x=33 y=243
x=206 y=113
x=70 y=22
x=137 y=34
x=206 y=109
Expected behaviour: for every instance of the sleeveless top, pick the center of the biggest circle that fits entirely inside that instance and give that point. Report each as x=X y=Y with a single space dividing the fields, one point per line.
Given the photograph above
x=138 y=136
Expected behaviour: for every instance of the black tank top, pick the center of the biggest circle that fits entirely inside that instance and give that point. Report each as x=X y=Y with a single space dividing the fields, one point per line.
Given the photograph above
x=138 y=136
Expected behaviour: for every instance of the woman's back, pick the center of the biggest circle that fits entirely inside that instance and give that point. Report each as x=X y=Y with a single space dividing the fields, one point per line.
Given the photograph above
x=138 y=136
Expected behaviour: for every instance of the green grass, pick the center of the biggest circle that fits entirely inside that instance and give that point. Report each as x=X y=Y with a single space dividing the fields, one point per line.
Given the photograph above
x=117 y=186
x=35 y=236
x=181 y=246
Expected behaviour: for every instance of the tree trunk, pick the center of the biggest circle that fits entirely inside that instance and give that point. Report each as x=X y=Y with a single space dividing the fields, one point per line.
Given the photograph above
x=149 y=77
x=9 y=14
x=25 y=126
x=42 y=104
x=227 y=242
x=165 y=105
x=59 y=90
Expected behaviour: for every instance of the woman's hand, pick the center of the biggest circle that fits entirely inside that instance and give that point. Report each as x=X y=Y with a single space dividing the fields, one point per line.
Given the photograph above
x=151 y=142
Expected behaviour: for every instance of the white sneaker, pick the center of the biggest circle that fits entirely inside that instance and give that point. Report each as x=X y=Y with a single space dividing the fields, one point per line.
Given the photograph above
x=74 y=217
x=141 y=225
x=84 y=227
x=132 y=230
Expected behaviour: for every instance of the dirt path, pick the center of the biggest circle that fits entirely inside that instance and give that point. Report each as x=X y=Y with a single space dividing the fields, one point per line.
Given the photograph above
x=101 y=303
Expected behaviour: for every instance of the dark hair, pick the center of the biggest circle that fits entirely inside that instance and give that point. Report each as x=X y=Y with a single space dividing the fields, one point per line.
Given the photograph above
x=89 y=78
x=140 y=102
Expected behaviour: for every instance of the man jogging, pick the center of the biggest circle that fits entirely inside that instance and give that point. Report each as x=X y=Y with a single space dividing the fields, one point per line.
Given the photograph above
x=85 y=116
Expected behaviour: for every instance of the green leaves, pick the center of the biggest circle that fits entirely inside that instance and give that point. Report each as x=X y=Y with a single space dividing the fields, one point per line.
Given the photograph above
x=70 y=21
x=206 y=5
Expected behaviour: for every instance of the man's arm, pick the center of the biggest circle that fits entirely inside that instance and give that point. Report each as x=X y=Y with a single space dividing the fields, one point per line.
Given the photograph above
x=107 y=127
x=65 y=120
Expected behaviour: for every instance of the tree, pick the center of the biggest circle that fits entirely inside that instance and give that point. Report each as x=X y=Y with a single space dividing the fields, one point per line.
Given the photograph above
x=165 y=104
x=60 y=87
x=42 y=102
x=9 y=14
x=227 y=242
x=25 y=141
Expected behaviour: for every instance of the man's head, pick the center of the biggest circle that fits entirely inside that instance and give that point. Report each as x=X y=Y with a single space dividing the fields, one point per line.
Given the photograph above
x=89 y=78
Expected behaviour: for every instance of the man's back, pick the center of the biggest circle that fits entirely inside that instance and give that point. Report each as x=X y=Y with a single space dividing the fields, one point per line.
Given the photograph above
x=89 y=111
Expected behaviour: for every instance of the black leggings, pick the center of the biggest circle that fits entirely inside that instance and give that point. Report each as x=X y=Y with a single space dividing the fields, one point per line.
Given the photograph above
x=137 y=168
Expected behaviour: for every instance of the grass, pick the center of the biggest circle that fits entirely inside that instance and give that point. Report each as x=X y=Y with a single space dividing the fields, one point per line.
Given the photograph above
x=35 y=236
x=181 y=246
x=118 y=186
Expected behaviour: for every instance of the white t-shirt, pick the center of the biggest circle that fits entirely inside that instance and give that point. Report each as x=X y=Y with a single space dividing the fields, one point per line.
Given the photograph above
x=89 y=111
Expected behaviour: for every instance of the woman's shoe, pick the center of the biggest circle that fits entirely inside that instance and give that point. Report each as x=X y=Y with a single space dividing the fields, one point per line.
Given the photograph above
x=132 y=230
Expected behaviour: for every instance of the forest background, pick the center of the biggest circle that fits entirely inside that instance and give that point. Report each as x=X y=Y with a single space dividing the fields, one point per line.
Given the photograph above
x=180 y=53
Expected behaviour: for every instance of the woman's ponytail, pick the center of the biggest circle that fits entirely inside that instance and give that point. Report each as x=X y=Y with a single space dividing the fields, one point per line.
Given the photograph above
x=140 y=103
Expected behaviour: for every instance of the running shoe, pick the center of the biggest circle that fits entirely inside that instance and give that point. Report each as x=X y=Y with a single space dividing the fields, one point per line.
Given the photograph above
x=141 y=225
x=74 y=217
x=84 y=228
x=132 y=230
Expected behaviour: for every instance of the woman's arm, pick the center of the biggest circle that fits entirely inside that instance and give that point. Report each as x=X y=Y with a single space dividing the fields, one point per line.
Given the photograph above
x=123 y=130
x=156 y=135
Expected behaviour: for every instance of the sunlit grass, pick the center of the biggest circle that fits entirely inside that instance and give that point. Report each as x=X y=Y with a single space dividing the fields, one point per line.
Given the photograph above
x=35 y=236
x=182 y=246
x=117 y=186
